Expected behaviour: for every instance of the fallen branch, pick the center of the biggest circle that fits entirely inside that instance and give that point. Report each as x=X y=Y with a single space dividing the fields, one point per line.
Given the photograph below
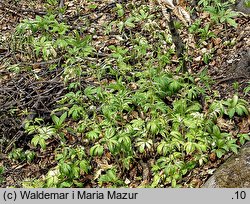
x=231 y=78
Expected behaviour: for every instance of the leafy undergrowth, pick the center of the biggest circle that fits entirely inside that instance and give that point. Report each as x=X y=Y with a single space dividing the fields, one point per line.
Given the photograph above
x=130 y=116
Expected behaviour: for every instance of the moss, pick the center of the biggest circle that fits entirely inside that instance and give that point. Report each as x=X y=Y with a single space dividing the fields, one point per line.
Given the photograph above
x=234 y=173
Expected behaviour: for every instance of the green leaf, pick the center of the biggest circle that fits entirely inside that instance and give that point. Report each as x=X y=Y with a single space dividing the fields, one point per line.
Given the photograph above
x=42 y=143
x=65 y=168
x=1 y=170
x=100 y=150
x=216 y=130
x=120 y=10
x=120 y=26
x=84 y=166
x=51 y=181
x=247 y=89
x=75 y=171
x=93 y=6
x=219 y=153
x=65 y=184
x=234 y=148
x=142 y=148
x=174 y=86
x=35 y=140
x=93 y=135
x=96 y=150
x=156 y=180
x=231 y=112
x=62 y=118
x=112 y=175
x=129 y=24
x=243 y=138
x=30 y=155
x=231 y=22
x=190 y=147
x=152 y=127
x=173 y=183
x=235 y=100
x=163 y=148
x=241 y=110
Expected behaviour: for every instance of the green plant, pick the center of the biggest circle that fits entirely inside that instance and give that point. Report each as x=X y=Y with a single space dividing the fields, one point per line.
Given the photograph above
x=72 y=165
x=119 y=10
x=144 y=144
x=2 y=170
x=220 y=13
x=30 y=156
x=236 y=105
x=41 y=133
x=110 y=177
x=19 y=155
x=96 y=150
x=205 y=33
x=243 y=138
x=49 y=38
x=247 y=3
x=195 y=26
x=236 y=86
x=207 y=57
x=125 y=100
x=247 y=89
x=223 y=142
x=58 y=121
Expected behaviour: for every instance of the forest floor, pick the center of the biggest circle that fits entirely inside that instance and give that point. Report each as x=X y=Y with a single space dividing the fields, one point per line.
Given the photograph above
x=228 y=67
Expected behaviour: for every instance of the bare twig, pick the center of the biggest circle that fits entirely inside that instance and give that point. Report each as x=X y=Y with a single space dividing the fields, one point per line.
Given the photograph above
x=230 y=78
x=15 y=9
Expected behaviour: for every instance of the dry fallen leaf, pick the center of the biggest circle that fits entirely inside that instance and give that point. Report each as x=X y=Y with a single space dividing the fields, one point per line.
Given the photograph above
x=178 y=9
x=244 y=125
x=212 y=157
